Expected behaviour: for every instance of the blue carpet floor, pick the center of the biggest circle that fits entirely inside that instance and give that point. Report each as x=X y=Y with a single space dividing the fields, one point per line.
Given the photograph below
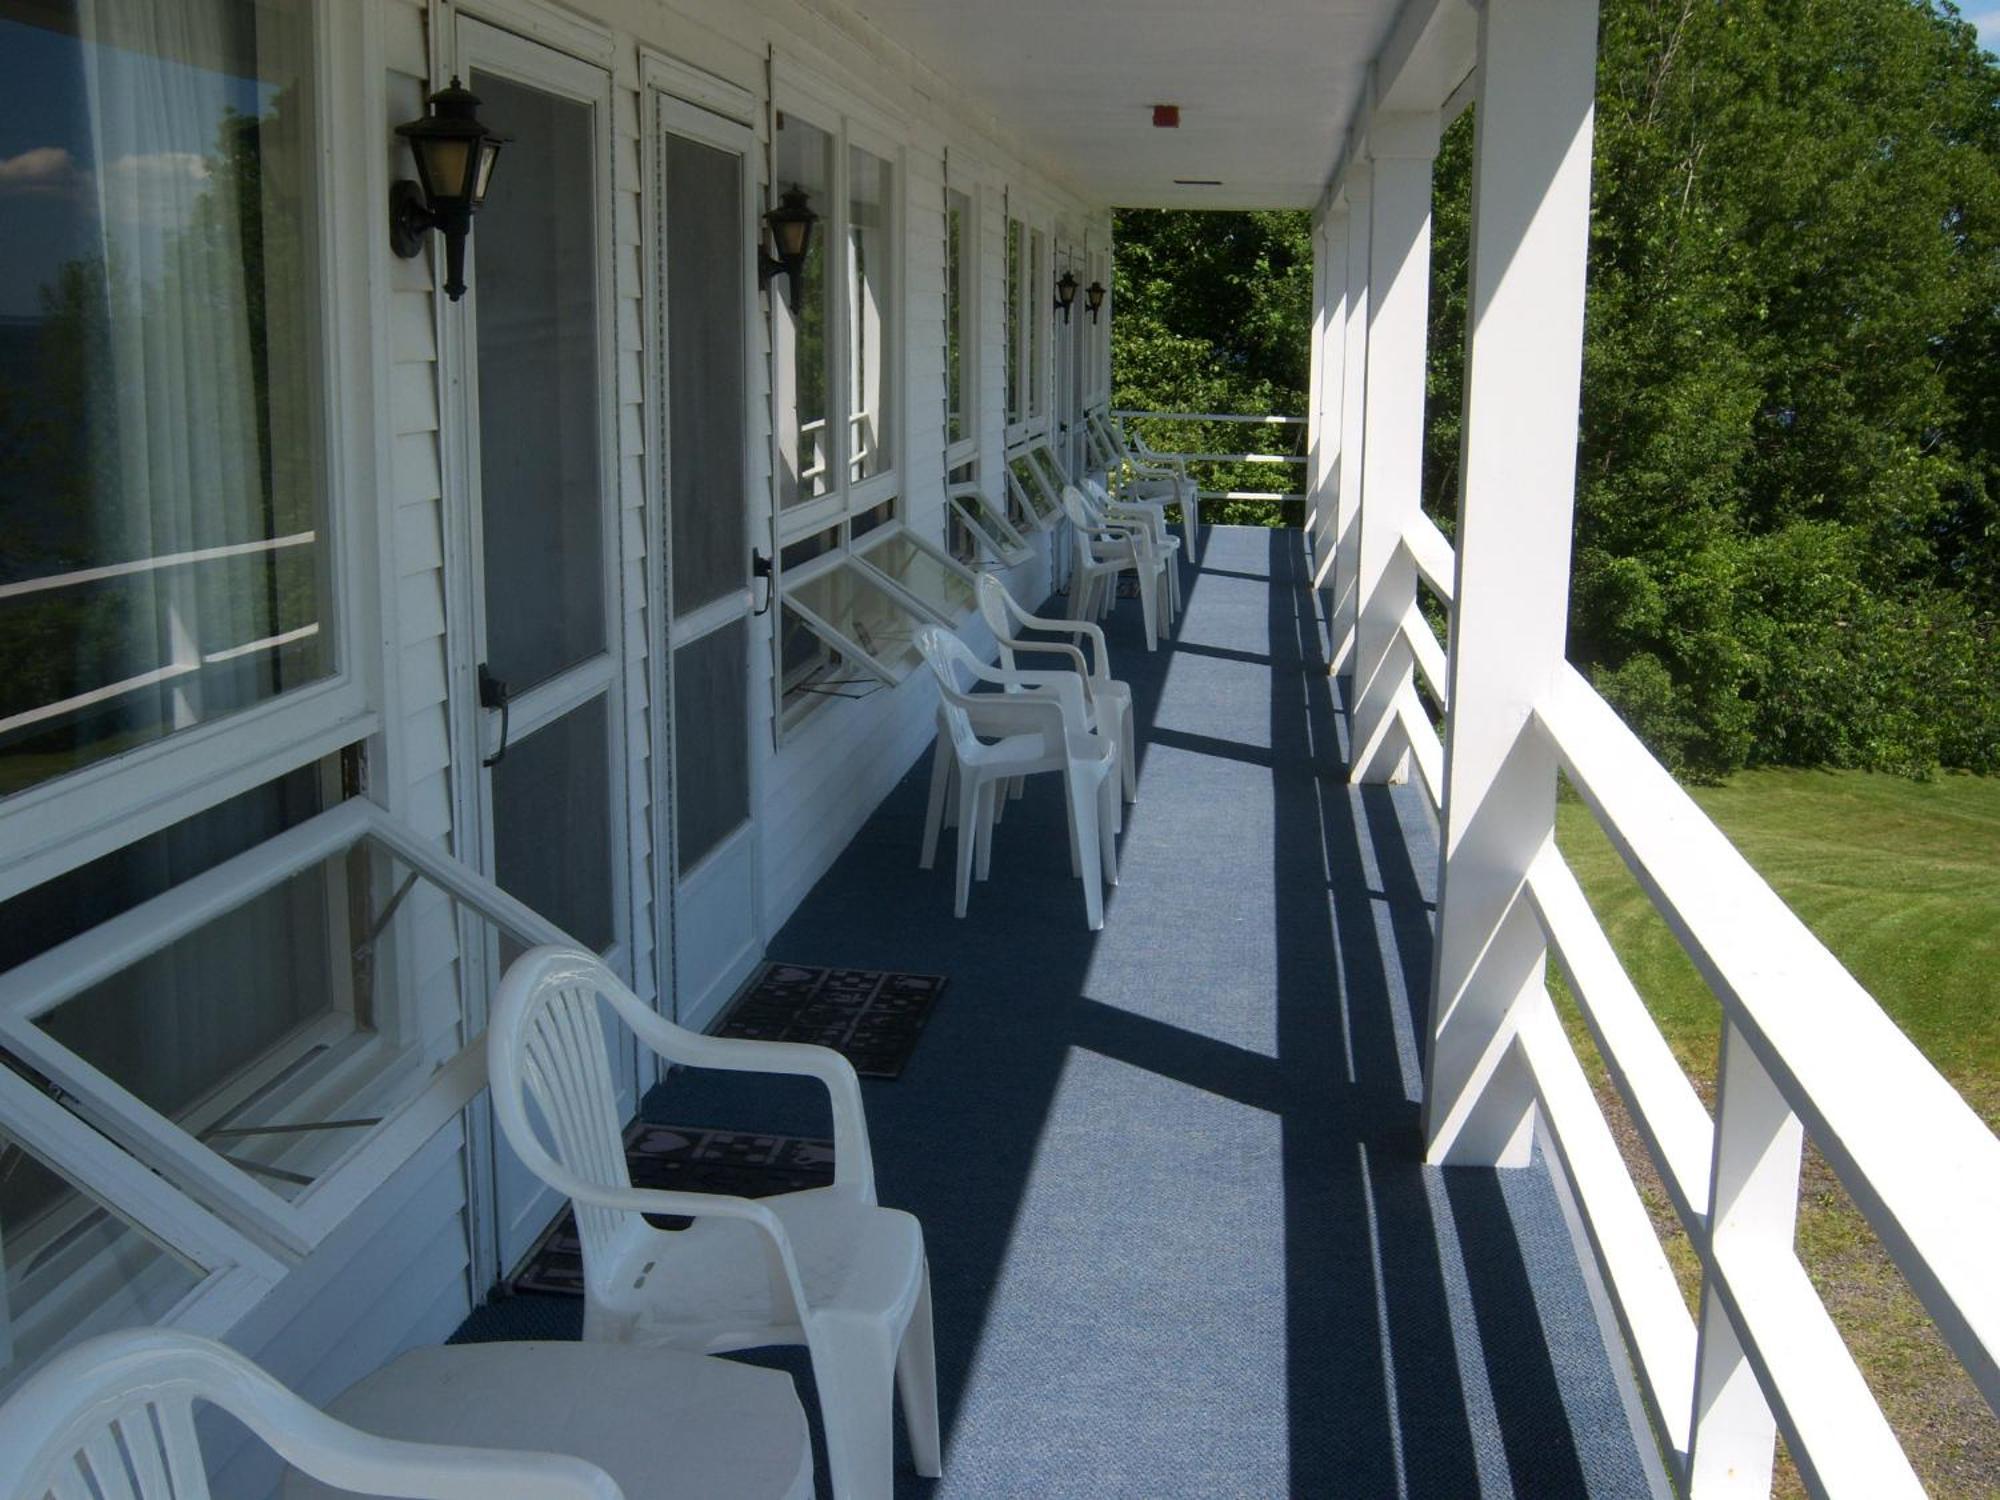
x=1181 y=1238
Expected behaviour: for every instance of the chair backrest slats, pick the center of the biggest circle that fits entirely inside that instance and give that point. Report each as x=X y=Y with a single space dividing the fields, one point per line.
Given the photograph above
x=567 y=1069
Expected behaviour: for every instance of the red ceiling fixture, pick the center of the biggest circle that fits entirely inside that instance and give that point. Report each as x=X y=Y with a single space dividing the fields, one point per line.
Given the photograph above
x=1166 y=117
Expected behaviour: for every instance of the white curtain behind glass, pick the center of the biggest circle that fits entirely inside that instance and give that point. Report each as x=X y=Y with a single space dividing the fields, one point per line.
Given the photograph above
x=205 y=422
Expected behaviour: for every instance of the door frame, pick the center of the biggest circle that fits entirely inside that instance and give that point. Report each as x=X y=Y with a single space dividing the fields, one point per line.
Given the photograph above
x=698 y=106
x=502 y=43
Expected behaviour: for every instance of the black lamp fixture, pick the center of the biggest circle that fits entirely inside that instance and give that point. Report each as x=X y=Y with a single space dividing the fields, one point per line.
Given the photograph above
x=791 y=225
x=1093 y=299
x=455 y=155
x=1066 y=286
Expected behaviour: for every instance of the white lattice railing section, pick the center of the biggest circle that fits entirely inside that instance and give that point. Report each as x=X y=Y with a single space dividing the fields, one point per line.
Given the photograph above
x=1806 y=1052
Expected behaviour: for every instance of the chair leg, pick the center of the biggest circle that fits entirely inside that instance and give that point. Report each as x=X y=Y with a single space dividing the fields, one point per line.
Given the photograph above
x=1128 y=755
x=916 y=1382
x=854 y=1366
x=1083 y=832
x=968 y=836
x=1108 y=809
x=1148 y=611
x=941 y=763
x=988 y=814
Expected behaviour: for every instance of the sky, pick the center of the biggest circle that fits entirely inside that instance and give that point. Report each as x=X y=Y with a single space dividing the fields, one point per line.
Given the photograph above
x=1986 y=17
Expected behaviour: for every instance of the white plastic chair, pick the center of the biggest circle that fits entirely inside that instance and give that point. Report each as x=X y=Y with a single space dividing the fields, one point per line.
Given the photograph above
x=1107 y=701
x=1105 y=552
x=1148 y=475
x=1152 y=517
x=987 y=739
x=825 y=1267
x=113 y=1419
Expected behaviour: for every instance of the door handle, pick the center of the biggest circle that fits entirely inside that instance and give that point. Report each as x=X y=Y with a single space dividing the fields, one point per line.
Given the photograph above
x=493 y=693
x=760 y=567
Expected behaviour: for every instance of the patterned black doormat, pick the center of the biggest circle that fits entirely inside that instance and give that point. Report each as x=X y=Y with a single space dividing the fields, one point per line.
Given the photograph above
x=872 y=1018
x=686 y=1160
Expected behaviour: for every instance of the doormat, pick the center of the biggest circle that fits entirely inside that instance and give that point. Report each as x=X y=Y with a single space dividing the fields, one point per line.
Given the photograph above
x=873 y=1019
x=685 y=1160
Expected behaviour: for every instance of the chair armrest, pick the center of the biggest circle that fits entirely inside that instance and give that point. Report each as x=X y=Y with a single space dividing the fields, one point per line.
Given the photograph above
x=1050 y=705
x=853 y=1162
x=638 y=1200
x=347 y=1458
x=1053 y=648
x=1102 y=670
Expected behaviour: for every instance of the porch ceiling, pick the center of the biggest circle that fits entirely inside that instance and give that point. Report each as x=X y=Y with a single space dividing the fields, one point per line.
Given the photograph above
x=1265 y=90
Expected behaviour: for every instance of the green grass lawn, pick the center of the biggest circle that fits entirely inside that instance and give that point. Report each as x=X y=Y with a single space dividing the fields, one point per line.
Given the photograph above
x=1901 y=880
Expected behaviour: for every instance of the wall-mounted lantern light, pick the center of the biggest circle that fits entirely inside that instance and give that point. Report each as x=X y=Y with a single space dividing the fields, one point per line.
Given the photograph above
x=455 y=155
x=1093 y=298
x=791 y=225
x=1066 y=293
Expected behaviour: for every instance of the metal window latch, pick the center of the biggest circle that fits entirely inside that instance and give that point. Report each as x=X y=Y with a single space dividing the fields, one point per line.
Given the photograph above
x=493 y=693
x=760 y=567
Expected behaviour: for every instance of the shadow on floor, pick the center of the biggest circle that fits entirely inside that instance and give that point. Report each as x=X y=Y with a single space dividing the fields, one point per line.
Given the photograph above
x=1181 y=1238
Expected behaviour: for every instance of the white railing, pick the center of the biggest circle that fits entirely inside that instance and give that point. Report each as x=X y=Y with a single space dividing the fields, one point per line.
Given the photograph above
x=1805 y=1051
x=1286 y=460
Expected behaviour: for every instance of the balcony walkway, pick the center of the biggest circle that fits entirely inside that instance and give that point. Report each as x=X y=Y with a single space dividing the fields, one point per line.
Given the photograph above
x=1181 y=1239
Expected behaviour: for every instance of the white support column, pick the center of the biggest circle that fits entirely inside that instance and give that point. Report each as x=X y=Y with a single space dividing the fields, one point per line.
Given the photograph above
x=1328 y=372
x=1358 y=189
x=1402 y=148
x=1315 y=388
x=1753 y=1212
x=1523 y=369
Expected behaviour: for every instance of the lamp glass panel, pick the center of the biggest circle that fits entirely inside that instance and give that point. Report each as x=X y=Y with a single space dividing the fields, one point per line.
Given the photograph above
x=488 y=150
x=445 y=160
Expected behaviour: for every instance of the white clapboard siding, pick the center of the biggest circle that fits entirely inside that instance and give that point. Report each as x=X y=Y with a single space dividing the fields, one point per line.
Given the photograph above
x=629 y=288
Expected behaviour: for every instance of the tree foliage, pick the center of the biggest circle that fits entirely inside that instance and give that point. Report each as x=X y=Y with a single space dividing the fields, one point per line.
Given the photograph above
x=1787 y=539
x=1213 y=310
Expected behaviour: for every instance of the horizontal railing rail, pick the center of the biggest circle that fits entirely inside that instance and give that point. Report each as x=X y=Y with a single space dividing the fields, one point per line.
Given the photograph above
x=1214 y=458
x=1807 y=1053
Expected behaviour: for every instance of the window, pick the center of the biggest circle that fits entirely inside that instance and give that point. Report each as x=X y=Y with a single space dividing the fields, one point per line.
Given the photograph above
x=270 y=1031
x=870 y=324
x=162 y=498
x=863 y=608
x=1040 y=295
x=961 y=267
x=805 y=161
x=837 y=397
x=221 y=1038
x=979 y=528
x=1016 y=237
x=1036 y=503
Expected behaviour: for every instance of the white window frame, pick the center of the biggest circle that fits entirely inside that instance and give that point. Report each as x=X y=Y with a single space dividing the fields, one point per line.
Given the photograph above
x=236 y=1272
x=966 y=449
x=1033 y=333
x=850 y=123
x=857 y=558
x=54 y=827
x=205 y=1181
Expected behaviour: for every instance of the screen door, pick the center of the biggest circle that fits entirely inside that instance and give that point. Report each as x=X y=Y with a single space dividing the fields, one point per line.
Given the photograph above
x=543 y=534
x=706 y=226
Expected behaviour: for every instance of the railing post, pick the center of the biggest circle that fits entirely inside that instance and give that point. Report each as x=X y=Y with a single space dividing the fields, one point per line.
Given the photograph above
x=1524 y=354
x=1753 y=1212
x=1357 y=189
x=1401 y=148
x=1328 y=356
